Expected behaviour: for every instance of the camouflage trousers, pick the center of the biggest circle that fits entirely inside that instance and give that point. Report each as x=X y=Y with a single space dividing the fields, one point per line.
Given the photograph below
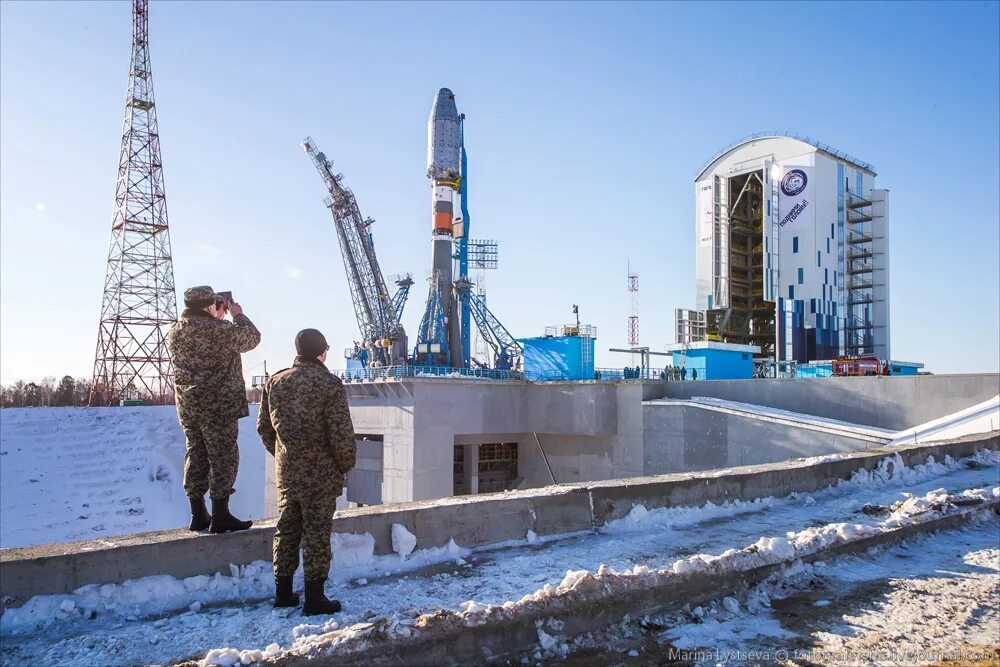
x=212 y=457
x=303 y=520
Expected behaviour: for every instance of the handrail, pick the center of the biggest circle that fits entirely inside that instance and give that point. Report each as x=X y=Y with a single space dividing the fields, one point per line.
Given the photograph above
x=390 y=373
x=791 y=135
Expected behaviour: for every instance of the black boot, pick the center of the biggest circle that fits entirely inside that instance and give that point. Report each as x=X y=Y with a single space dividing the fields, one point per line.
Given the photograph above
x=316 y=602
x=223 y=521
x=200 y=518
x=283 y=595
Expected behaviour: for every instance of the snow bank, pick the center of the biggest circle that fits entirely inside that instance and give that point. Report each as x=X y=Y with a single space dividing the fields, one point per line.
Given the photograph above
x=353 y=560
x=83 y=473
x=352 y=550
x=403 y=541
x=583 y=587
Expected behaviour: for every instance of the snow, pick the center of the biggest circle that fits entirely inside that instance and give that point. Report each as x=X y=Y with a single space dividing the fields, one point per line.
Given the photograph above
x=403 y=541
x=352 y=549
x=940 y=595
x=235 y=605
x=71 y=474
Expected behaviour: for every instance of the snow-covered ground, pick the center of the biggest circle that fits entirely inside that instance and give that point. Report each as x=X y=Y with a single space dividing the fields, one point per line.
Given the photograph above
x=79 y=473
x=930 y=599
x=139 y=621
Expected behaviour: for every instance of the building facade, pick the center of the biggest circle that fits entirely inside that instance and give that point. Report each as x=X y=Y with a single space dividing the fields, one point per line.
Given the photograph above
x=791 y=252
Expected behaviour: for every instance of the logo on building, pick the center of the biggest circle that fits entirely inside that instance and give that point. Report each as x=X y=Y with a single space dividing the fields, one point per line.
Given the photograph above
x=794 y=182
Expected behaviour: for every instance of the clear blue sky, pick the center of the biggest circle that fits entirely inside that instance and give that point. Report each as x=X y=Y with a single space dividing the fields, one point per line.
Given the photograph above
x=587 y=124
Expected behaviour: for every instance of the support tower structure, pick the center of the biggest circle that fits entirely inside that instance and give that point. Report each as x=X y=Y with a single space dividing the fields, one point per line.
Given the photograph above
x=633 y=314
x=140 y=302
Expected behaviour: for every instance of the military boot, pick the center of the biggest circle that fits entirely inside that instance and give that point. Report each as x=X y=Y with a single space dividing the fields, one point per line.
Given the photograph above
x=200 y=518
x=223 y=521
x=316 y=602
x=283 y=595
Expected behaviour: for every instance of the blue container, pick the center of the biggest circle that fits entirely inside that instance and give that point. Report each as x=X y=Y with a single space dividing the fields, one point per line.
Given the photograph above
x=558 y=358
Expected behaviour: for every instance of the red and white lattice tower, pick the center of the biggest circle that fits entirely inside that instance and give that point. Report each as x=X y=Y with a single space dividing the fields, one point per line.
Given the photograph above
x=140 y=302
x=633 y=315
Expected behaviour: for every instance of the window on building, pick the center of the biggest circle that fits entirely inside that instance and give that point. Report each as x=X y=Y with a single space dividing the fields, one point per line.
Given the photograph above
x=791 y=291
x=817 y=259
x=826 y=276
x=802 y=275
x=812 y=305
x=828 y=242
x=795 y=244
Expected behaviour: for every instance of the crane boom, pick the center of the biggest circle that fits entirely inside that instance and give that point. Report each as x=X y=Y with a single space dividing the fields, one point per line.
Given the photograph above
x=374 y=308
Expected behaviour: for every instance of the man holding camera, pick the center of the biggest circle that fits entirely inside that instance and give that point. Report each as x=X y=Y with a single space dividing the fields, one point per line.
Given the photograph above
x=305 y=423
x=211 y=398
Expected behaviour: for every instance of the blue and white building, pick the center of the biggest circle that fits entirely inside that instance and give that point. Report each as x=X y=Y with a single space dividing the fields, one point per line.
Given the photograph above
x=791 y=251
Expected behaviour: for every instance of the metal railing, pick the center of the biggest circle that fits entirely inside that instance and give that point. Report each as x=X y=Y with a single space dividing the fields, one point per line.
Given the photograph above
x=390 y=373
x=384 y=373
x=792 y=135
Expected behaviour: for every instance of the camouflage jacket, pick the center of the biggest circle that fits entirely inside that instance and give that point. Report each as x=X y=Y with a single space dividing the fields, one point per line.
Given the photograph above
x=305 y=424
x=208 y=373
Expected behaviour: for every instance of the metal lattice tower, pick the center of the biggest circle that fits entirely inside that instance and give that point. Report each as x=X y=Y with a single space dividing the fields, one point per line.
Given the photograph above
x=140 y=302
x=484 y=255
x=633 y=316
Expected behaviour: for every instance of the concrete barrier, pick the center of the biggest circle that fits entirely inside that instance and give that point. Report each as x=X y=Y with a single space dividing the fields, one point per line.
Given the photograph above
x=445 y=640
x=615 y=498
x=472 y=521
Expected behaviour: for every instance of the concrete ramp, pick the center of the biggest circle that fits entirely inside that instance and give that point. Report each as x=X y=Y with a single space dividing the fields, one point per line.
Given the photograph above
x=703 y=432
x=980 y=418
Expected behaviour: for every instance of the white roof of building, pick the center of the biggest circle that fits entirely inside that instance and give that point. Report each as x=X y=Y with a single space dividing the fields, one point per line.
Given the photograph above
x=773 y=134
x=712 y=345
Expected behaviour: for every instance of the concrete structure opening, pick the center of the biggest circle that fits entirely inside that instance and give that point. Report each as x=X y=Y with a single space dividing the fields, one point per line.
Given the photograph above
x=485 y=468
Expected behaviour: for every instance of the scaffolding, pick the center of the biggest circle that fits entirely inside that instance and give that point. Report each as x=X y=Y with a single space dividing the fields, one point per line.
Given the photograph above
x=860 y=270
x=744 y=313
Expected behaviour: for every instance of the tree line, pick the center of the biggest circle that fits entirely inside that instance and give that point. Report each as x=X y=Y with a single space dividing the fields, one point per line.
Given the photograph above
x=67 y=392
x=47 y=392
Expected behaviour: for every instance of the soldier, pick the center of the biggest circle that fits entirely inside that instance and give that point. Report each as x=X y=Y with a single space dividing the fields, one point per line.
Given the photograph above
x=211 y=398
x=305 y=424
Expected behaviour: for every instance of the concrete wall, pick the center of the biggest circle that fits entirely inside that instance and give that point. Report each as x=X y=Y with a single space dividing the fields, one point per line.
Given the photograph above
x=886 y=402
x=594 y=430
x=681 y=437
x=601 y=430
x=471 y=521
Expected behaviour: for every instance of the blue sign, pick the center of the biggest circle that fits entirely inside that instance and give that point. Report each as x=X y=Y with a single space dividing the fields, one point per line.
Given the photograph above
x=794 y=182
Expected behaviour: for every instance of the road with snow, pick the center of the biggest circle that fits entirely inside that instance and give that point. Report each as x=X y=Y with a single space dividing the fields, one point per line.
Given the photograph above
x=138 y=622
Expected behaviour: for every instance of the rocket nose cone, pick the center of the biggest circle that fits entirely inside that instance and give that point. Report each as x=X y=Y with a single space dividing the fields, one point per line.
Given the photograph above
x=444 y=105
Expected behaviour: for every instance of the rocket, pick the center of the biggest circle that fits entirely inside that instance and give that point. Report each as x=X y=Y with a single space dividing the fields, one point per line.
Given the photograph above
x=444 y=150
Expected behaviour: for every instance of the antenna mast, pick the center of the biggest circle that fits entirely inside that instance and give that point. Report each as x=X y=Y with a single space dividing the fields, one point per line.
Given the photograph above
x=140 y=303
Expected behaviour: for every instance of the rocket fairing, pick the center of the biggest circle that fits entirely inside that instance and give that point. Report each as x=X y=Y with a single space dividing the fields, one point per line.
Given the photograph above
x=444 y=151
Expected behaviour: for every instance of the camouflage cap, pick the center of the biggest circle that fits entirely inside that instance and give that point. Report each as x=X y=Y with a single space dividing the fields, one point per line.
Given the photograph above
x=199 y=297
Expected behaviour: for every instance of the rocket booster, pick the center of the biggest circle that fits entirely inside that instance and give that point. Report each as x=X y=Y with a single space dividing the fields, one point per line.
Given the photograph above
x=444 y=169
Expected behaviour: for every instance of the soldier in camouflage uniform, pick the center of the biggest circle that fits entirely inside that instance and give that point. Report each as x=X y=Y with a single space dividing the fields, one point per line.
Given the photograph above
x=305 y=424
x=211 y=398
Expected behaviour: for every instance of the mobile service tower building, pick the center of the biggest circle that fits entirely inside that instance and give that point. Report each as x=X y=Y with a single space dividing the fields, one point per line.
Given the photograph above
x=791 y=252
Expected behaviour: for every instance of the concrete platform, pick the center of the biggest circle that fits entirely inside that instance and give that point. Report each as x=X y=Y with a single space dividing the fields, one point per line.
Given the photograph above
x=471 y=520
